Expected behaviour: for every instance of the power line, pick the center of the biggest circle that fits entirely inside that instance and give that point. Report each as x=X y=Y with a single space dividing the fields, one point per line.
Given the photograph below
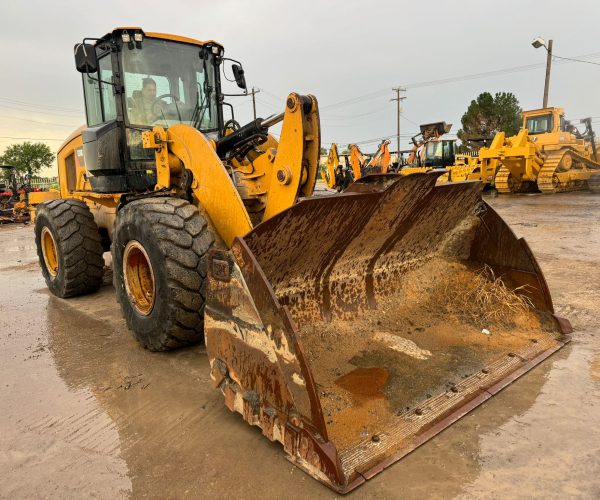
x=37 y=121
x=38 y=105
x=349 y=117
x=62 y=114
x=30 y=138
x=575 y=60
x=410 y=121
x=279 y=99
x=371 y=95
x=368 y=141
x=458 y=78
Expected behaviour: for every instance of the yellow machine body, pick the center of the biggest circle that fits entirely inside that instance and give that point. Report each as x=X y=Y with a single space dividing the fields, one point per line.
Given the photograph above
x=546 y=155
x=357 y=160
x=346 y=327
x=333 y=161
x=381 y=160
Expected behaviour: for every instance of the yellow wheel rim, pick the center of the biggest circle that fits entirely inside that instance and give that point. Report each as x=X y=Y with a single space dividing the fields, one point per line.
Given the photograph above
x=139 y=277
x=49 y=251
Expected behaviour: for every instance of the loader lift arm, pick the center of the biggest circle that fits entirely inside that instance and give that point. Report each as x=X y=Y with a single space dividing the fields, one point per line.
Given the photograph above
x=292 y=174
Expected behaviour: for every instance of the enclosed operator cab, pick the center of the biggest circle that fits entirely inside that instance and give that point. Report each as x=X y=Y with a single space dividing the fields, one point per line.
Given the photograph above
x=439 y=153
x=133 y=81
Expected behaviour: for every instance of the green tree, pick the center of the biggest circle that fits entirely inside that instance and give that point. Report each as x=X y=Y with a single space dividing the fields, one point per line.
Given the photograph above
x=489 y=114
x=323 y=151
x=28 y=157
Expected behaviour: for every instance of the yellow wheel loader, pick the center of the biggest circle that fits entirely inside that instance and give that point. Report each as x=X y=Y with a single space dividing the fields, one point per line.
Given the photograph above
x=349 y=328
x=548 y=154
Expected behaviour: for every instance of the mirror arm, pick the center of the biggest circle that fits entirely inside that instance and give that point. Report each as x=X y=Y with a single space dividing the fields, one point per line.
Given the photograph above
x=231 y=107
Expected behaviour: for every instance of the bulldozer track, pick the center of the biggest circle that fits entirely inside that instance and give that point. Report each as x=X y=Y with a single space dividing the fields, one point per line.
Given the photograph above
x=504 y=183
x=594 y=183
x=547 y=180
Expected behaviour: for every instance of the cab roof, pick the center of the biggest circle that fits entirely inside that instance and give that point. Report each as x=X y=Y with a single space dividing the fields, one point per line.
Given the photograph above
x=162 y=36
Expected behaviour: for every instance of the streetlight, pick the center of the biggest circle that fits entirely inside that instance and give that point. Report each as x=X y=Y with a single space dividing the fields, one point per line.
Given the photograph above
x=537 y=43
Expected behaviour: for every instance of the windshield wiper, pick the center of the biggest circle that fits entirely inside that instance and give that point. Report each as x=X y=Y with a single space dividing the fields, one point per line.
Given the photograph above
x=199 y=108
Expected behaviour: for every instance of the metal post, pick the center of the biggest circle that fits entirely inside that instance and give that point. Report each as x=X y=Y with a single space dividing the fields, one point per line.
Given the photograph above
x=398 y=100
x=254 y=91
x=548 y=65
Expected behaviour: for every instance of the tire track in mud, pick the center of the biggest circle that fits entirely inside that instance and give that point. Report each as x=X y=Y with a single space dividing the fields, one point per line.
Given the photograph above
x=90 y=430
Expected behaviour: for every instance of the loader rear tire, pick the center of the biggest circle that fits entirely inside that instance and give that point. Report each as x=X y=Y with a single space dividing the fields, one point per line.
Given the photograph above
x=69 y=247
x=159 y=252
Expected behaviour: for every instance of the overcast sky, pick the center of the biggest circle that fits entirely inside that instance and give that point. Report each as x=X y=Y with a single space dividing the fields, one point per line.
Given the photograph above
x=349 y=54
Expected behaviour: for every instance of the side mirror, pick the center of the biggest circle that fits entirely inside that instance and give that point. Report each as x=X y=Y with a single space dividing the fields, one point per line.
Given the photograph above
x=85 y=58
x=238 y=73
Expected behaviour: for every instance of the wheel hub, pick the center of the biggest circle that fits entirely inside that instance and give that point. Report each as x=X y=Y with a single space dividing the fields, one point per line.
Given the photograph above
x=138 y=276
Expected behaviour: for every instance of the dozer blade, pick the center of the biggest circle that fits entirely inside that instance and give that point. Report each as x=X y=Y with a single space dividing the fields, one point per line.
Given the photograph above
x=355 y=327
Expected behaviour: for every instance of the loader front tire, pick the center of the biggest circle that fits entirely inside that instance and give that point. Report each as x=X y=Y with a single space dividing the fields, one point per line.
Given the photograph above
x=159 y=252
x=69 y=247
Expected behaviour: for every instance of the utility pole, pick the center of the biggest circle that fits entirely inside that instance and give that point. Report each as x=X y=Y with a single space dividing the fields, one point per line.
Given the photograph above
x=254 y=92
x=398 y=100
x=548 y=64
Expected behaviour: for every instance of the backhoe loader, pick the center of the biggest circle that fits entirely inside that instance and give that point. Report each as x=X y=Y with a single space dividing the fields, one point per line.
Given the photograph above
x=358 y=165
x=348 y=328
x=357 y=161
x=380 y=161
x=429 y=151
x=336 y=175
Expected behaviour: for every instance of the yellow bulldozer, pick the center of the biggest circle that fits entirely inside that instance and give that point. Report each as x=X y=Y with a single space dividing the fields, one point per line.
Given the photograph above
x=548 y=154
x=350 y=328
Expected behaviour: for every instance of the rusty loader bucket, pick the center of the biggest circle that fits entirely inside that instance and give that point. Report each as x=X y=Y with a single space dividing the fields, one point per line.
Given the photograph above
x=355 y=327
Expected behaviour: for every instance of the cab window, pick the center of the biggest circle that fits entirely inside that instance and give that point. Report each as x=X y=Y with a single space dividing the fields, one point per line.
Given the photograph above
x=99 y=98
x=539 y=124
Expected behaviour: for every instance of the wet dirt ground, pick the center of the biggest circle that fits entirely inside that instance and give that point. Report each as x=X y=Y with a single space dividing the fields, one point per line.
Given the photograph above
x=85 y=411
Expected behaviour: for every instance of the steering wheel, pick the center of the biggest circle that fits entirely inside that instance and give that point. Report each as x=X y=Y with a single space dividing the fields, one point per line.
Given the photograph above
x=160 y=98
x=232 y=125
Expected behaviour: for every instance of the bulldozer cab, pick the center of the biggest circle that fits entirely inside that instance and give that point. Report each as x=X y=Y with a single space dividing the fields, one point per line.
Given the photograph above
x=133 y=81
x=544 y=121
